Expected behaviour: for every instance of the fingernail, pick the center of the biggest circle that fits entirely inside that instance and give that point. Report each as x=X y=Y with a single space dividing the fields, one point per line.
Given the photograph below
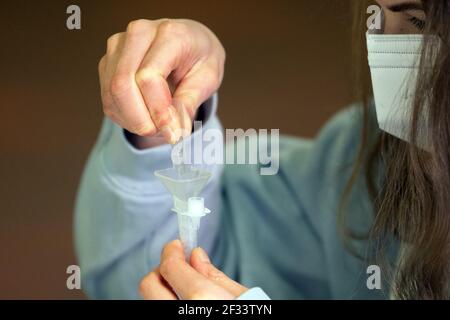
x=202 y=255
x=176 y=134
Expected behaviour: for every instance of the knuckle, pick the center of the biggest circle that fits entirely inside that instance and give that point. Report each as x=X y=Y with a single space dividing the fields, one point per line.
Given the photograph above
x=120 y=84
x=137 y=26
x=147 y=282
x=112 y=42
x=144 y=285
x=177 y=33
x=101 y=64
x=166 y=25
x=173 y=27
x=146 y=76
x=213 y=78
x=167 y=266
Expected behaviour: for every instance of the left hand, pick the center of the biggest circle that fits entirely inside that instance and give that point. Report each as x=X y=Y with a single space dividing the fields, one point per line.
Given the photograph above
x=199 y=280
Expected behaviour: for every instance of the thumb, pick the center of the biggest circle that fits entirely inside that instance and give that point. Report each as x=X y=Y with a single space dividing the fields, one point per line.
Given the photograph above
x=195 y=88
x=200 y=262
x=185 y=118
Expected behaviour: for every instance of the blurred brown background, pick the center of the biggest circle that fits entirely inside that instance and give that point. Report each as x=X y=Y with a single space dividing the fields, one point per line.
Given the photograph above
x=287 y=67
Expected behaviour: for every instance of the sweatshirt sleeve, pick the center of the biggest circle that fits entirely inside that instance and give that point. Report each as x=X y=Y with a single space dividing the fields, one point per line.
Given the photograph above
x=123 y=213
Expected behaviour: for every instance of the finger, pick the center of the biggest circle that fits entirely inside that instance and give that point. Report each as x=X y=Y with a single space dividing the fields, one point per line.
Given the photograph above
x=154 y=287
x=167 y=53
x=200 y=261
x=139 y=37
x=184 y=280
x=106 y=69
x=128 y=106
x=196 y=87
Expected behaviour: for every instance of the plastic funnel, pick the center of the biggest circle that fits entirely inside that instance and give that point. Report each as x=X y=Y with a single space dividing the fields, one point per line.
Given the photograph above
x=183 y=184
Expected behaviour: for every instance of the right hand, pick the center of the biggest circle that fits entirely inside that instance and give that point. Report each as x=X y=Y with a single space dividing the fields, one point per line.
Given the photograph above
x=155 y=75
x=197 y=280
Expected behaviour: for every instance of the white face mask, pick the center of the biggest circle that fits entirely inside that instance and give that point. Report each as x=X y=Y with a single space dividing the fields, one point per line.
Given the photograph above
x=394 y=62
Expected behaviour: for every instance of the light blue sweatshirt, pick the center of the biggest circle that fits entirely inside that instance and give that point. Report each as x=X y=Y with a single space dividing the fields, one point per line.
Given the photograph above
x=275 y=232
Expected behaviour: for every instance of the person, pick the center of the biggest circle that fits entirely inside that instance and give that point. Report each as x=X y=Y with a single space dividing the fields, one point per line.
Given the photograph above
x=370 y=190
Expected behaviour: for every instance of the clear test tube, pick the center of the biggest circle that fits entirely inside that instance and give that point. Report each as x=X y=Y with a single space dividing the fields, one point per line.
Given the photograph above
x=189 y=224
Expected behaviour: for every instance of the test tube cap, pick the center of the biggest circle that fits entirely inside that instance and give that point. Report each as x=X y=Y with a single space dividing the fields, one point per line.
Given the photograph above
x=196 y=207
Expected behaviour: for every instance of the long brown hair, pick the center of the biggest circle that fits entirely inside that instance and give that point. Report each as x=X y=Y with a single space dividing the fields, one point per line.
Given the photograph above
x=412 y=202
